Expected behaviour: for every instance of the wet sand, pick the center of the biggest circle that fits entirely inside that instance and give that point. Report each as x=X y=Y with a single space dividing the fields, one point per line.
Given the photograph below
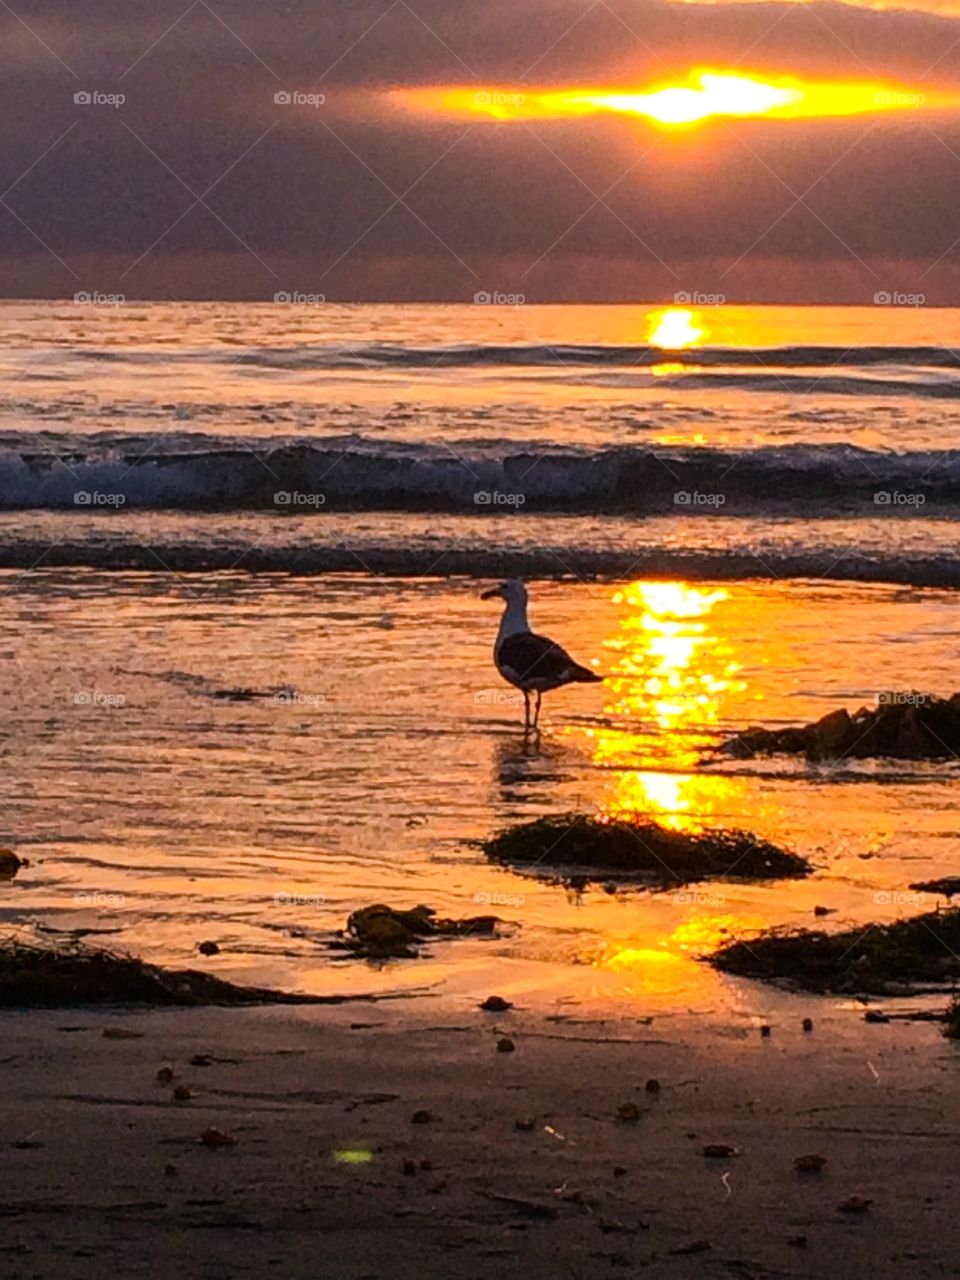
x=327 y=1177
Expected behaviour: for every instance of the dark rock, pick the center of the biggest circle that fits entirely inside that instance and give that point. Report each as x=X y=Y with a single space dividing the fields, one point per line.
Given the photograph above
x=832 y=736
x=10 y=864
x=496 y=1004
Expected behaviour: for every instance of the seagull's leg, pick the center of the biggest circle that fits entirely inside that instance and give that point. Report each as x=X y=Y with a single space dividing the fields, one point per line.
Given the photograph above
x=526 y=711
x=536 y=714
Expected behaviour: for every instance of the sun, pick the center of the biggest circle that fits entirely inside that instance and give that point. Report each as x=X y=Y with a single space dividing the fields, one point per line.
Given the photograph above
x=675 y=328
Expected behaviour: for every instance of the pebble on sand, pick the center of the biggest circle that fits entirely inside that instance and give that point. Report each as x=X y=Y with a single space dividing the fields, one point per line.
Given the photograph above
x=855 y=1204
x=217 y=1138
x=10 y=864
x=496 y=1004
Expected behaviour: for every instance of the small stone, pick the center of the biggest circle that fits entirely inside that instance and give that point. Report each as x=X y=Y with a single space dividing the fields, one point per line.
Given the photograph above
x=797 y=1242
x=719 y=1151
x=208 y=949
x=855 y=1204
x=121 y=1033
x=10 y=864
x=505 y=1045
x=526 y=1124
x=808 y=1024
x=765 y=1031
x=652 y=1086
x=628 y=1113
x=496 y=1004
x=182 y=1094
x=426 y=1166
x=165 y=1075
x=201 y=1060
x=421 y=1117
x=824 y=911
x=874 y=1015
x=217 y=1138
x=409 y=1168
x=809 y=1163
x=170 y=1170
x=619 y=1170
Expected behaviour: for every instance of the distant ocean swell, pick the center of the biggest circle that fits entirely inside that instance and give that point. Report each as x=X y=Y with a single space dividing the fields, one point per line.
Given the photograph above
x=812 y=480
x=113 y=552
x=557 y=355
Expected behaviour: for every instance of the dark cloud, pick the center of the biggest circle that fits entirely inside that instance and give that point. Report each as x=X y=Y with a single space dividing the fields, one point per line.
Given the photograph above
x=313 y=197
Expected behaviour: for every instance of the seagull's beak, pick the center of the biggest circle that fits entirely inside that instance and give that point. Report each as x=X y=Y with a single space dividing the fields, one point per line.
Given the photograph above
x=491 y=594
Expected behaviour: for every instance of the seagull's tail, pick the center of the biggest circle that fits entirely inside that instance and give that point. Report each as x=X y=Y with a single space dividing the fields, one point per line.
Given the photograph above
x=583 y=675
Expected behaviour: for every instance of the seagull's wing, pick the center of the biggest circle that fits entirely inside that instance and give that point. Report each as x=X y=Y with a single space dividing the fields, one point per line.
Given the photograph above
x=536 y=662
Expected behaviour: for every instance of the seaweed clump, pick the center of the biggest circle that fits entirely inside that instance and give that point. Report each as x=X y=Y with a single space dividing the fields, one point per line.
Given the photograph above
x=880 y=959
x=641 y=849
x=915 y=726
x=382 y=932
x=63 y=974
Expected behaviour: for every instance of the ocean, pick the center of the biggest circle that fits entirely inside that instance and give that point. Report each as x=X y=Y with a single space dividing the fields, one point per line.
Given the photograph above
x=248 y=682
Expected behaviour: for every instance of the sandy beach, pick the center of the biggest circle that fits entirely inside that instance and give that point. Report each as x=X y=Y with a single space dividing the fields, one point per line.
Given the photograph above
x=334 y=1172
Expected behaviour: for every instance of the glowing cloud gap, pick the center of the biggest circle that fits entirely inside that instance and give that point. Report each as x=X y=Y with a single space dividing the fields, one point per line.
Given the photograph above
x=707 y=94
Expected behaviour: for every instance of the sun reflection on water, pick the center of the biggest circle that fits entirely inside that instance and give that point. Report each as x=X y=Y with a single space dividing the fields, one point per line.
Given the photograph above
x=675 y=682
x=673 y=674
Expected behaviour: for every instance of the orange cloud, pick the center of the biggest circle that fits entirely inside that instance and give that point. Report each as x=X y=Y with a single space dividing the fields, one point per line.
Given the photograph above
x=704 y=94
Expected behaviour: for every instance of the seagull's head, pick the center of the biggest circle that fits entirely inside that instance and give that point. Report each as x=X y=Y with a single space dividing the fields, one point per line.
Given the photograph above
x=512 y=590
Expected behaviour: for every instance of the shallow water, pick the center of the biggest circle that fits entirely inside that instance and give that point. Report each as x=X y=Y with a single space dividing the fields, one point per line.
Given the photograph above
x=152 y=803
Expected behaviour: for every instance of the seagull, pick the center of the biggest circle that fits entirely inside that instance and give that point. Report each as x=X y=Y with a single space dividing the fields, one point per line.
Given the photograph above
x=531 y=662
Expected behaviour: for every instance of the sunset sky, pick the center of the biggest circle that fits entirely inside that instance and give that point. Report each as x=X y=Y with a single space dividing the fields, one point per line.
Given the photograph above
x=561 y=149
